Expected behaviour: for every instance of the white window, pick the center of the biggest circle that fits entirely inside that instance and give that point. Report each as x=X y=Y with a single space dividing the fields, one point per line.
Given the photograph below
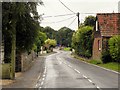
x=99 y=45
x=96 y=25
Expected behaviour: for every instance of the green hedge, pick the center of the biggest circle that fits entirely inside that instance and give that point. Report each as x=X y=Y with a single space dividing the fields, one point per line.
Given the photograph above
x=82 y=41
x=114 y=48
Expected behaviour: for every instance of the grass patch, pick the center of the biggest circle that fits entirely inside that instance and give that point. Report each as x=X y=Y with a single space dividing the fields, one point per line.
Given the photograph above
x=96 y=62
x=67 y=49
x=111 y=65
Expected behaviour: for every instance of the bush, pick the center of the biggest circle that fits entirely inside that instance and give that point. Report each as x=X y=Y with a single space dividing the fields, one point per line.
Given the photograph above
x=82 y=41
x=114 y=48
x=106 y=57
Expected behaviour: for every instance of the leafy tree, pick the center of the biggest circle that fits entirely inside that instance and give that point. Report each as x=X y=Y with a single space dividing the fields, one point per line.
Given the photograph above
x=50 y=44
x=51 y=33
x=114 y=48
x=89 y=21
x=39 y=41
x=82 y=41
x=64 y=36
x=18 y=23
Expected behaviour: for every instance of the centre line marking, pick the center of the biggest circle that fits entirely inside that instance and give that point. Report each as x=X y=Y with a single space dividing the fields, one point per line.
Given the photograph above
x=43 y=79
x=70 y=66
x=40 y=87
x=44 y=75
x=41 y=83
x=98 y=87
x=89 y=80
x=84 y=76
x=77 y=71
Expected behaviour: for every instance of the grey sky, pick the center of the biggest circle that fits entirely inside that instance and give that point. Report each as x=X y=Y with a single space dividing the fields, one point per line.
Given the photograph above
x=54 y=7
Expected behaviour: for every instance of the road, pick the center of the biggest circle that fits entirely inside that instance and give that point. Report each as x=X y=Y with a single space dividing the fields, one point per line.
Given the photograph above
x=63 y=71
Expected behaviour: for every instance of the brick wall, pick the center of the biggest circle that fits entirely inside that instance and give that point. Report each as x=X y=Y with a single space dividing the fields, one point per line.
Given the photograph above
x=96 y=48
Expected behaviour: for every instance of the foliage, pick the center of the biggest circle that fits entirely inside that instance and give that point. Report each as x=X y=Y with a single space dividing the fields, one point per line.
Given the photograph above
x=67 y=49
x=106 y=56
x=64 y=36
x=89 y=21
x=40 y=41
x=82 y=41
x=51 y=33
x=96 y=62
x=19 y=25
x=114 y=48
x=50 y=42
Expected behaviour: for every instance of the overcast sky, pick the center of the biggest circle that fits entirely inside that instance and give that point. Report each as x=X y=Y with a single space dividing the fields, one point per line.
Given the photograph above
x=54 y=7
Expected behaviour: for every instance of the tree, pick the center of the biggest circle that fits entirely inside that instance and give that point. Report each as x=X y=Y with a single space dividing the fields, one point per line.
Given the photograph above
x=18 y=23
x=64 y=36
x=40 y=41
x=51 y=33
x=82 y=41
x=89 y=21
x=50 y=44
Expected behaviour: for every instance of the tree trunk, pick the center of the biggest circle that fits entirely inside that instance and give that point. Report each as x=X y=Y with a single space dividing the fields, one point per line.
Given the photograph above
x=13 y=56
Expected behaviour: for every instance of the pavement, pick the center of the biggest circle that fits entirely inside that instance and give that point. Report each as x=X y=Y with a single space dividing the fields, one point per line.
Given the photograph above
x=26 y=79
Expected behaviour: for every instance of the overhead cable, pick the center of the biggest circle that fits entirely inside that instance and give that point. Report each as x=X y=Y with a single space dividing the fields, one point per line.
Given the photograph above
x=66 y=6
x=60 y=20
x=72 y=22
x=58 y=15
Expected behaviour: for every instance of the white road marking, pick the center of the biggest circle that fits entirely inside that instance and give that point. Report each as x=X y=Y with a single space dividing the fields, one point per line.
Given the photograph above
x=44 y=71
x=77 y=71
x=44 y=75
x=41 y=83
x=40 y=87
x=89 y=80
x=43 y=79
x=84 y=76
x=36 y=85
x=98 y=87
x=70 y=66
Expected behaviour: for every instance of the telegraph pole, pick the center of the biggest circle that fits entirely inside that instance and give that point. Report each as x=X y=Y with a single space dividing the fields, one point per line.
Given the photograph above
x=78 y=19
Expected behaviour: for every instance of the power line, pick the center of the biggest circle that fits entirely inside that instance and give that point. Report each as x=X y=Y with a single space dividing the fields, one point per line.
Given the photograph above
x=65 y=15
x=59 y=15
x=60 y=20
x=72 y=22
x=66 y=6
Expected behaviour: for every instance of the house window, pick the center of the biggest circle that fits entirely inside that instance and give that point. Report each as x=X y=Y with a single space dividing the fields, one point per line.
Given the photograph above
x=96 y=25
x=99 y=45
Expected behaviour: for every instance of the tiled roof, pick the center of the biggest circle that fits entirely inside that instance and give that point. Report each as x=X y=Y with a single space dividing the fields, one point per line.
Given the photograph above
x=109 y=24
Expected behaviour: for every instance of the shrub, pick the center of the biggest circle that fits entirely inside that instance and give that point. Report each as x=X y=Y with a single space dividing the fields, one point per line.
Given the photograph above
x=114 y=48
x=82 y=41
x=106 y=57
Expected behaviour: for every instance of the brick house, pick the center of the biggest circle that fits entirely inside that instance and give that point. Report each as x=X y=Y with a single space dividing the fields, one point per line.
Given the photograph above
x=107 y=25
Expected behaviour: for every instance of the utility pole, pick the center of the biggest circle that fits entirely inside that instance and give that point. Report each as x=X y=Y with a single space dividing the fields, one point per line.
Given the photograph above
x=78 y=19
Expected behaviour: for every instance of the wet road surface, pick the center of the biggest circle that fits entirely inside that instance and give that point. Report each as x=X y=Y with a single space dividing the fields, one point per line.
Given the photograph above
x=63 y=71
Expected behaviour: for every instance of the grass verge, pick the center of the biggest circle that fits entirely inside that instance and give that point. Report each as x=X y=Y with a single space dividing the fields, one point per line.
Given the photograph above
x=67 y=49
x=111 y=65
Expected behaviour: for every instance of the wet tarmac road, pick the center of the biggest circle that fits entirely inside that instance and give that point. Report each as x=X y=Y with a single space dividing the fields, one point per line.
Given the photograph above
x=63 y=71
